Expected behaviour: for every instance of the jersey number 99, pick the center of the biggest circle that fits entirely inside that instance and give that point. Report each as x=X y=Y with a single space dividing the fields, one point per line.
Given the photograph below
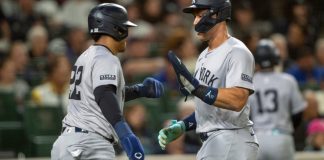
x=75 y=81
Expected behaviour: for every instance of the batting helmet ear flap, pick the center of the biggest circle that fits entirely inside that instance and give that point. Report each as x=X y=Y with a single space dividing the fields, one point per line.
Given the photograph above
x=121 y=31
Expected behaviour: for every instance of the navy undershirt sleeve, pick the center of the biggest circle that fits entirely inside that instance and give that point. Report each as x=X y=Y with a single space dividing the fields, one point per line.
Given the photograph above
x=132 y=92
x=105 y=96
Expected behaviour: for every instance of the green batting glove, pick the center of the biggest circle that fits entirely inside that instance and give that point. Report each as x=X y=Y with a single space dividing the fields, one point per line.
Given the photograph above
x=167 y=135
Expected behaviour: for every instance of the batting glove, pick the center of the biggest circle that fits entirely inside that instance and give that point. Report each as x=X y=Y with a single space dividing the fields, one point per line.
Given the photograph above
x=169 y=134
x=130 y=143
x=151 y=88
x=189 y=84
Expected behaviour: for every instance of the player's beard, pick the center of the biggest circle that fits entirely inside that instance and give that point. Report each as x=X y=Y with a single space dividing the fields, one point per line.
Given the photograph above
x=213 y=34
x=202 y=37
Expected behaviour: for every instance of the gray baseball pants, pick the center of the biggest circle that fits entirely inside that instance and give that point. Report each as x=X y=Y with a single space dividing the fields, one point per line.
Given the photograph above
x=238 y=144
x=72 y=145
x=275 y=146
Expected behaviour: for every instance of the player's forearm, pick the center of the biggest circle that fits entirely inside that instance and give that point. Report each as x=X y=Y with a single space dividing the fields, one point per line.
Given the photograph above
x=232 y=98
x=105 y=96
x=132 y=92
x=227 y=98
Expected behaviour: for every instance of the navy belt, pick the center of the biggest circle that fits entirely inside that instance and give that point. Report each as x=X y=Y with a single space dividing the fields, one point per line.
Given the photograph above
x=203 y=136
x=80 y=130
x=76 y=130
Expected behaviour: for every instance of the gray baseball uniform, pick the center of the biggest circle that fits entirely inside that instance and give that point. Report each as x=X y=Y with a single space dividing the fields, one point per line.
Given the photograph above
x=95 y=67
x=230 y=135
x=276 y=99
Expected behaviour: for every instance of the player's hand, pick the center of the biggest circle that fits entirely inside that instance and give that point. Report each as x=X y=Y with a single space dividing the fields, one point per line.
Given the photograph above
x=151 y=88
x=187 y=82
x=132 y=147
x=172 y=132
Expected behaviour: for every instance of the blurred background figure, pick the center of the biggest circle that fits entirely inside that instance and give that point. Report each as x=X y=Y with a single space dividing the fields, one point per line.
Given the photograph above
x=306 y=71
x=75 y=12
x=297 y=39
x=315 y=137
x=244 y=21
x=281 y=43
x=57 y=46
x=13 y=95
x=54 y=92
x=141 y=58
x=276 y=106
x=136 y=116
x=152 y=10
x=180 y=41
x=19 y=55
x=319 y=52
x=311 y=112
x=76 y=43
x=5 y=35
x=37 y=44
x=9 y=83
x=21 y=16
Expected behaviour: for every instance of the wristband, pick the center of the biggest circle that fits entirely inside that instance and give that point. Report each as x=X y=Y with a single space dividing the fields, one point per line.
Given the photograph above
x=190 y=122
x=206 y=94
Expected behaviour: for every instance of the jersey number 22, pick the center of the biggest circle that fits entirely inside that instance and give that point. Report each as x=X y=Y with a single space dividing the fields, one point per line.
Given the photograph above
x=75 y=81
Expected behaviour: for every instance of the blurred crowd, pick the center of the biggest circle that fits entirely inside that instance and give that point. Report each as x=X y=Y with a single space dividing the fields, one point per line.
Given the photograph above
x=41 y=39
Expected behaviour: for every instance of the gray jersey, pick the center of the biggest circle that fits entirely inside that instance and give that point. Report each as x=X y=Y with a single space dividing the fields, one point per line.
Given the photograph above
x=229 y=65
x=276 y=98
x=95 y=67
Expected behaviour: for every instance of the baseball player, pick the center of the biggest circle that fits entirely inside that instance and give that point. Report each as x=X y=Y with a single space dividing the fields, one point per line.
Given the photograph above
x=94 y=122
x=221 y=85
x=275 y=105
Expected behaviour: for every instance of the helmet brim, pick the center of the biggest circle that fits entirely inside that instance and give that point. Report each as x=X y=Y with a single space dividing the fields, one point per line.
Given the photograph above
x=194 y=7
x=130 y=24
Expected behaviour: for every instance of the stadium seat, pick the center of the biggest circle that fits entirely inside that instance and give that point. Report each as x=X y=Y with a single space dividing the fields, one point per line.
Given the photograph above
x=43 y=125
x=11 y=128
x=8 y=107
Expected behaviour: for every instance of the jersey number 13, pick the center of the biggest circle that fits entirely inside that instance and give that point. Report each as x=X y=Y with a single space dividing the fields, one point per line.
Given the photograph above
x=270 y=94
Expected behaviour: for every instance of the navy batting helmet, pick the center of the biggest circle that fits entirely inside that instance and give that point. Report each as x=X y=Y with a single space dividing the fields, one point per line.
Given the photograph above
x=266 y=54
x=220 y=8
x=109 y=19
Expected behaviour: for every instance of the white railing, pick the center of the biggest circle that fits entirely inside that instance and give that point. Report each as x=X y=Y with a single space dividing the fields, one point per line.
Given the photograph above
x=299 y=156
